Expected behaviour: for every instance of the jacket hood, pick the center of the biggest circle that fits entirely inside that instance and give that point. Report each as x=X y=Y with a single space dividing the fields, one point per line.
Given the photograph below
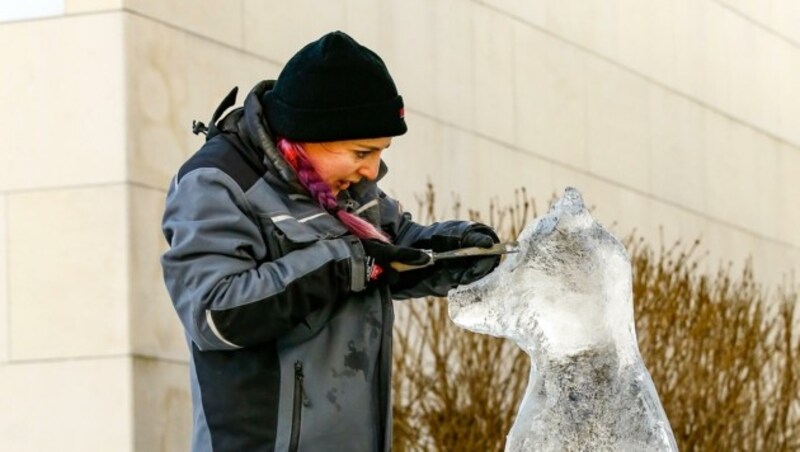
x=254 y=131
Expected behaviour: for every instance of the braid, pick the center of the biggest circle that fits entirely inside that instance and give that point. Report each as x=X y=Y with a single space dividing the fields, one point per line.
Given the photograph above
x=296 y=157
x=308 y=176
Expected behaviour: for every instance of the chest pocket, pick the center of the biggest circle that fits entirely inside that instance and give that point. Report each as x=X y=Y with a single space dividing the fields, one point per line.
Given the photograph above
x=284 y=234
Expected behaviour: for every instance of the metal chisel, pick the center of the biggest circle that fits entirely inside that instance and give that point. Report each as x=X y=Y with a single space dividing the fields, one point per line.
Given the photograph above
x=475 y=251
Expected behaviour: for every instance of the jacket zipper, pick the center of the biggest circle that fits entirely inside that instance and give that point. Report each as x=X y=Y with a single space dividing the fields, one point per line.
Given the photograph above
x=294 y=439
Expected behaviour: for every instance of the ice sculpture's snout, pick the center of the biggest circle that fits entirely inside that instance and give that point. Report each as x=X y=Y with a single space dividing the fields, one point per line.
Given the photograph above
x=467 y=303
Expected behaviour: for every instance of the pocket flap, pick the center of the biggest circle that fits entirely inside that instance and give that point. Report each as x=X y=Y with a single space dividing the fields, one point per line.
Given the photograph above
x=318 y=226
x=294 y=230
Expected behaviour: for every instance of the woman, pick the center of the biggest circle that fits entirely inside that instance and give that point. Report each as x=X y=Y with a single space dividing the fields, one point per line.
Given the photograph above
x=280 y=245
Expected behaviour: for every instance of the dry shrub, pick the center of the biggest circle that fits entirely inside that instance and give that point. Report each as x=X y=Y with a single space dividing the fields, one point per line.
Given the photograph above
x=722 y=354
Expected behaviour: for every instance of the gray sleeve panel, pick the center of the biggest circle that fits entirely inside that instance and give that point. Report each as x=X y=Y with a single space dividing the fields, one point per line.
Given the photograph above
x=212 y=265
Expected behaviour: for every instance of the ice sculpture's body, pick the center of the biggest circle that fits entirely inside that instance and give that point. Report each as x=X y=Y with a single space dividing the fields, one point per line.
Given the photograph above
x=566 y=300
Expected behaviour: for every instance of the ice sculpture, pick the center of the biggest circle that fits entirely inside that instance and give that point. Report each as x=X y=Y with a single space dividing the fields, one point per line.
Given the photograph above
x=566 y=300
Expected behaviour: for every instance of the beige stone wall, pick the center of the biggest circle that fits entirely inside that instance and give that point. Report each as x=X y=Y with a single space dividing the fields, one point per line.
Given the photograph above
x=681 y=113
x=675 y=113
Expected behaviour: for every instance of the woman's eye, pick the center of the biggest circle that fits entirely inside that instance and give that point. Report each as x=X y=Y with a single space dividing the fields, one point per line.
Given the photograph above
x=362 y=154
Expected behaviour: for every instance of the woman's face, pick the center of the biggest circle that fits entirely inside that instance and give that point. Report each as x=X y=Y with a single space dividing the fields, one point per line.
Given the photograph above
x=342 y=163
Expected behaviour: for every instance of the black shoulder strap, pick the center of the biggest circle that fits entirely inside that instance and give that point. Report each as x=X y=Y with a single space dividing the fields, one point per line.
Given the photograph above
x=198 y=127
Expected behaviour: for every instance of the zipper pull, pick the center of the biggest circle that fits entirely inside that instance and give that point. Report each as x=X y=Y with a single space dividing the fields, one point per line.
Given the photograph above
x=350 y=205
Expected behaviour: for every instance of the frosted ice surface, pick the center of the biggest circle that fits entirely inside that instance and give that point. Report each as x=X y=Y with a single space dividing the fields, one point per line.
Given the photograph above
x=566 y=299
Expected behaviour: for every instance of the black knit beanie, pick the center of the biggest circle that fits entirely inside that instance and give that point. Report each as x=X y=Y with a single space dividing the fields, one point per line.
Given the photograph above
x=334 y=89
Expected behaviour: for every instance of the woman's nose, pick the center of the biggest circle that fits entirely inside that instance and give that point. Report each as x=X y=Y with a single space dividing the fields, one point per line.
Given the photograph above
x=370 y=170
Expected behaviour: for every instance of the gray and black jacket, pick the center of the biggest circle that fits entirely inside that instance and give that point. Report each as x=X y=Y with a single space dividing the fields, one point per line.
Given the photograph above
x=290 y=348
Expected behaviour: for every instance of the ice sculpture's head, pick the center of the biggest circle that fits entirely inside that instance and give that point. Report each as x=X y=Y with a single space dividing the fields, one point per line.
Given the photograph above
x=568 y=288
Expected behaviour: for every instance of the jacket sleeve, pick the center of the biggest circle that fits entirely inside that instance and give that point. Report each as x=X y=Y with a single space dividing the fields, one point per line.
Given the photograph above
x=437 y=279
x=225 y=295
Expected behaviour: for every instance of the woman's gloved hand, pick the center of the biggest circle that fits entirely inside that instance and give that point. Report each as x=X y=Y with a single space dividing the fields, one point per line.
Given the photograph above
x=478 y=267
x=472 y=269
x=477 y=238
x=380 y=255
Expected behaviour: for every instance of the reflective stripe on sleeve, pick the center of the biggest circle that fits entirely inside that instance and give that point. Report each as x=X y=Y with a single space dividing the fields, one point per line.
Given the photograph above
x=210 y=321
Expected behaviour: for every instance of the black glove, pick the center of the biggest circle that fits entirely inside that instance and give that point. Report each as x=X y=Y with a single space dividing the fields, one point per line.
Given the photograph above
x=380 y=255
x=472 y=269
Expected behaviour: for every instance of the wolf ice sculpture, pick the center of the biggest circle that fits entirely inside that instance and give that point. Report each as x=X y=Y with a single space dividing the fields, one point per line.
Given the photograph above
x=566 y=300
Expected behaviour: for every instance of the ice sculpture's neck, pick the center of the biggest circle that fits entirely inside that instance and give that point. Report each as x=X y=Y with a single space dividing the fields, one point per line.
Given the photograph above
x=584 y=371
x=568 y=390
x=586 y=374
x=590 y=400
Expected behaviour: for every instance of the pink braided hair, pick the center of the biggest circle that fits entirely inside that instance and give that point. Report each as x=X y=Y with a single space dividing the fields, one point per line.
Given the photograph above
x=297 y=158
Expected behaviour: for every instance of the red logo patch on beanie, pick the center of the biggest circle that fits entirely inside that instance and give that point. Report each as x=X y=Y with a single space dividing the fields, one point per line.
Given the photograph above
x=402 y=112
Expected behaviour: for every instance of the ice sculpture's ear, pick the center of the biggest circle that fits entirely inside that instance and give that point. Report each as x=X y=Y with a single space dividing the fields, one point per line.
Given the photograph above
x=571 y=202
x=546 y=224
